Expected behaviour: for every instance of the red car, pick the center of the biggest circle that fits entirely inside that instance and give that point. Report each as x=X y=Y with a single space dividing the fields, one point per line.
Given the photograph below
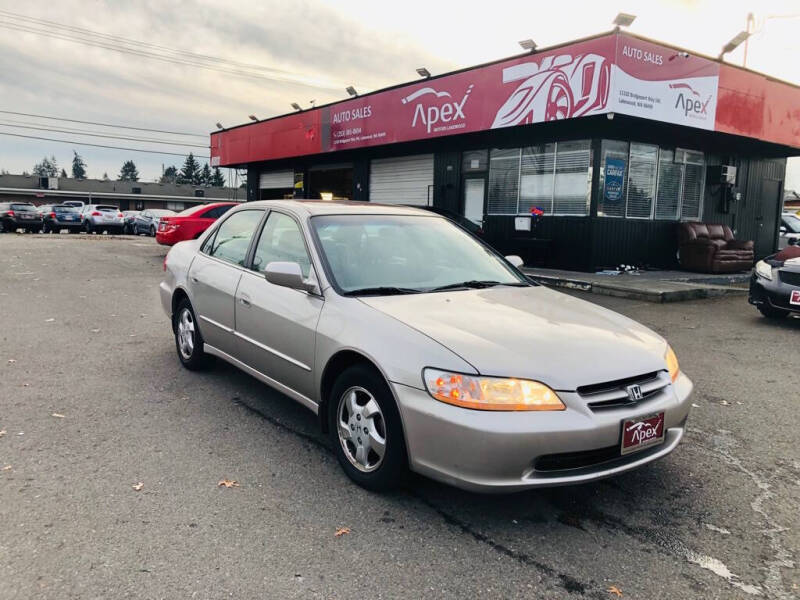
x=189 y=224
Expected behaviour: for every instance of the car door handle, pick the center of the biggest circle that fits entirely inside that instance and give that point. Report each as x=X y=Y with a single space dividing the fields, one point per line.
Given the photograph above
x=194 y=279
x=244 y=300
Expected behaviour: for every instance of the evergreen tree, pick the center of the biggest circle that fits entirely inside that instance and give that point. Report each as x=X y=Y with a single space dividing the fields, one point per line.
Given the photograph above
x=170 y=175
x=105 y=176
x=78 y=166
x=190 y=173
x=217 y=179
x=128 y=172
x=48 y=167
x=64 y=173
x=205 y=175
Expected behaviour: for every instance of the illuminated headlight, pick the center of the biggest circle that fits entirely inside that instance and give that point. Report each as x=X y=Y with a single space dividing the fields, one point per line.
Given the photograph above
x=672 y=363
x=764 y=270
x=490 y=393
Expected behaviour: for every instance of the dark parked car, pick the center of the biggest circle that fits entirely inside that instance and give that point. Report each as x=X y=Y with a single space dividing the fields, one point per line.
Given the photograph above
x=775 y=284
x=128 y=217
x=147 y=220
x=60 y=217
x=19 y=215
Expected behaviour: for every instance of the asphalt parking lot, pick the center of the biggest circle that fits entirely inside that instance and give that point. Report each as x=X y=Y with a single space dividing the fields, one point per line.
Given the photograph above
x=93 y=402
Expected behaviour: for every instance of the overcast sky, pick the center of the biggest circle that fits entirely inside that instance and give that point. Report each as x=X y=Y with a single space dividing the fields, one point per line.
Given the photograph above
x=310 y=50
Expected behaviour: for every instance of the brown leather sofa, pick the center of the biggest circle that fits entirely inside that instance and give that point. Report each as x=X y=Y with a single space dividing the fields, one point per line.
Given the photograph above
x=711 y=249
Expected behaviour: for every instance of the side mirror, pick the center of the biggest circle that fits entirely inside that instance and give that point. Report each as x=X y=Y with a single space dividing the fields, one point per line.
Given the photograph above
x=288 y=274
x=782 y=230
x=515 y=260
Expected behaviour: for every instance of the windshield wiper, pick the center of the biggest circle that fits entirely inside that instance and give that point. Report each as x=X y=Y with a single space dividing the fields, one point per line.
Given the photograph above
x=382 y=291
x=474 y=284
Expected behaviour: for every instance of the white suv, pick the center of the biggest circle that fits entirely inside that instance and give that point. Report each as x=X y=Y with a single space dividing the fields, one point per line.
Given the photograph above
x=102 y=217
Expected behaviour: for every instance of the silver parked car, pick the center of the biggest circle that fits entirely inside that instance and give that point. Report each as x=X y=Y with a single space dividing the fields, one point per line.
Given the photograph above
x=419 y=347
x=101 y=217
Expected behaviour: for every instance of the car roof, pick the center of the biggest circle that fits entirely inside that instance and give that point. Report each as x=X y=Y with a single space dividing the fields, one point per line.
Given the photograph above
x=324 y=207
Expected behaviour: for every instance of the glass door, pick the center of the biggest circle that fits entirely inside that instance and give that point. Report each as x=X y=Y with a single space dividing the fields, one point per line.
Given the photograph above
x=474 y=192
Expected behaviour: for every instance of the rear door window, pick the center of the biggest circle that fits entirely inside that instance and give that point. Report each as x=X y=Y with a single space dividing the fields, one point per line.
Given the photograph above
x=233 y=236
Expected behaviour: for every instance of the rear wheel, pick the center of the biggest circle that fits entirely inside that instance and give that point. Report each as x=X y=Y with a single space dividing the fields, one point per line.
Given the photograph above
x=188 y=340
x=771 y=312
x=152 y=231
x=87 y=226
x=366 y=430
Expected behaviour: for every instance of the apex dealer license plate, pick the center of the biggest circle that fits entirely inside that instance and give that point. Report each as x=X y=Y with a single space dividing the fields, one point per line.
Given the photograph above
x=795 y=297
x=642 y=432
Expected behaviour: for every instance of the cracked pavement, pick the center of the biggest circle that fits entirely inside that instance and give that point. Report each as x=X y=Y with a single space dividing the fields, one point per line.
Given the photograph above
x=81 y=319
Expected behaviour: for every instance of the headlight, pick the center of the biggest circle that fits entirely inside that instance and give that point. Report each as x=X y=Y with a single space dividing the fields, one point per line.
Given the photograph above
x=672 y=363
x=490 y=393
x=764 y=270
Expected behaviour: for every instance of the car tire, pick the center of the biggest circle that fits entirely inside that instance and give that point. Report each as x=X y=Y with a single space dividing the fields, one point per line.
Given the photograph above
x=189 y=348
x=152 y=231
x=771 y=312
x=87 y=227
x=362 y=416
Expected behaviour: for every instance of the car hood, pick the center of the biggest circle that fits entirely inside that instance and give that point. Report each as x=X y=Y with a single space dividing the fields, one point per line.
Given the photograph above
x=531 y=332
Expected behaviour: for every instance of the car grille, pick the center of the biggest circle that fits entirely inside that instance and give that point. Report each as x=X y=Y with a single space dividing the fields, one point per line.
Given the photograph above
x=614 y=394
x=576 y=460
x=790 y=277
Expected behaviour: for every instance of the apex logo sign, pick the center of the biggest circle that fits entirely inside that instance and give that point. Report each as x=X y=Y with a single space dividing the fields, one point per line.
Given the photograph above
x=433 y=114
x=691 y=107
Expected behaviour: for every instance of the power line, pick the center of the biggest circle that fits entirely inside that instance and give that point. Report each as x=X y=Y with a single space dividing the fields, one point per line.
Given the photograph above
x=129 y=41
x=174 y=60
x=100 y=135
x=22 y=114
x=77 y=143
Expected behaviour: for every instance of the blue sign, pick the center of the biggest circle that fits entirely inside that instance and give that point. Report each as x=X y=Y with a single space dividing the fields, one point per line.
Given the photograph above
x=615 y=179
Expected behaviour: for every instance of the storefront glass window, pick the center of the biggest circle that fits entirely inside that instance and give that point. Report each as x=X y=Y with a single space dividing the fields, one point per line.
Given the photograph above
x=670 y=175
x=573 y=180
x=475 y=160
x=537 y=176
x=503 y=181
x=554 y=177
x=613 y=179
x=642 y=181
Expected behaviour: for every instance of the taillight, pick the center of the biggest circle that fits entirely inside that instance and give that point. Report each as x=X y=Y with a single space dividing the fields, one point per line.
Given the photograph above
x=120 y=215
x=97 y=214
x=52 y=215
x=10 y=213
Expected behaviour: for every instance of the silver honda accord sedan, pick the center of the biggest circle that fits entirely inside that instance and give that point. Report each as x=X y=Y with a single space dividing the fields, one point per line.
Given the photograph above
x=420 y=348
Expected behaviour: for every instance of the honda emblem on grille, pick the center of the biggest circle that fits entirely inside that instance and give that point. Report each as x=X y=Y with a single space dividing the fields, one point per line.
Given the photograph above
x=634 y=393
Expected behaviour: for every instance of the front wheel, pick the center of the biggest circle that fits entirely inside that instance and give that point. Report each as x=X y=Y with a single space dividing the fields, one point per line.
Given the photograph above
x=188 y=340
x=152 y=231
x=366 y=430
x=771 y=312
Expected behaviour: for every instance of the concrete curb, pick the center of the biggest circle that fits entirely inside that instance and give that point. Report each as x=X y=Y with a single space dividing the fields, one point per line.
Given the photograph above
x=648 y=291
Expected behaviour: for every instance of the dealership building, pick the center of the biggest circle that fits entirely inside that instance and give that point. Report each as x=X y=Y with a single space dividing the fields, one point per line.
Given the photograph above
x=611 y=141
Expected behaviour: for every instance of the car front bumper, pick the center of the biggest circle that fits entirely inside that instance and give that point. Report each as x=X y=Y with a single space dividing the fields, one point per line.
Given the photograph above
x=774 y=293
x=487 y=451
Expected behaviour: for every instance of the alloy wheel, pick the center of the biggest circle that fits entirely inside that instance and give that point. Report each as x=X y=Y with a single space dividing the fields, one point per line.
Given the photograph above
x=362 y=429
x=186 y=334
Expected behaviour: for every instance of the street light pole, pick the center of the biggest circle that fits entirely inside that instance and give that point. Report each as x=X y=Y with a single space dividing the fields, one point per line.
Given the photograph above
x=751 y=22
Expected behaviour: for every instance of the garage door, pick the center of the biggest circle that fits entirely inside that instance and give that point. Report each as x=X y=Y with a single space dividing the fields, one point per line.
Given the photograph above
x=404 y=180
x=271 y=180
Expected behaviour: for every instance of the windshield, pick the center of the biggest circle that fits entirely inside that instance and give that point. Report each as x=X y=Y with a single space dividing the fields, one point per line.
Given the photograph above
x=791 y=223
x=160 y=212
x=70 y=209
x=405 y=254
x=107 y=208
x=23 y=207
